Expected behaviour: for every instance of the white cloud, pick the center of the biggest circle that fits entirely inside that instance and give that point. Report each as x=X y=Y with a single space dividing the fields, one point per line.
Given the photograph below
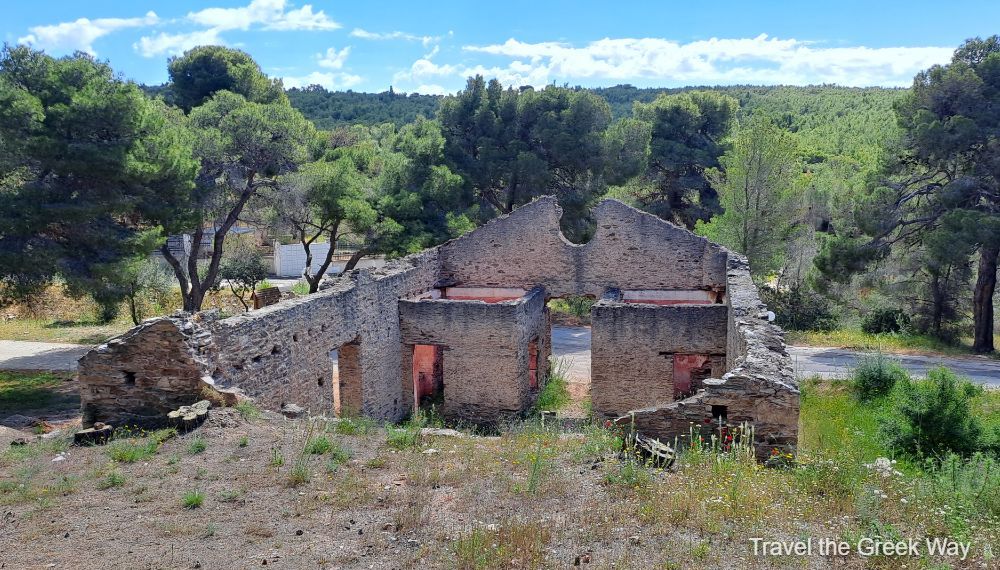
x=176 y=44
x=333 y=59
x=81 y=34
x=431 y=90
x=366 y=35
x=269 y=14
x=328 y=80
x=740 y=60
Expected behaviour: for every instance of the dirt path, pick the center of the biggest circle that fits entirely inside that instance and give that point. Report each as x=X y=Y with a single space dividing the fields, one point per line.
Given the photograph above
x=22 y=355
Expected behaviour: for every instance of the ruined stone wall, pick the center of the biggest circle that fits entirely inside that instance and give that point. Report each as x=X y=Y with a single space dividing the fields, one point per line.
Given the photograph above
x=277 y=355
x=138 y=377
x=759 y=389
x=630 y=250
x=633 y=345
x=485 y=356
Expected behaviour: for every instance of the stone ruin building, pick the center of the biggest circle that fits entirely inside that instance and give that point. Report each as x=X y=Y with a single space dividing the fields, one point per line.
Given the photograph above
x=679 y=335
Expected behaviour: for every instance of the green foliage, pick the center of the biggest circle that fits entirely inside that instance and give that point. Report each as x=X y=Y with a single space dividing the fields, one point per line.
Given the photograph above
x=510 y=146
x=799 y=308
x=875 y=376
x=686 y=137
x=883 y=320
x=756 y=184
x=205 y=70
x=934 y=416
x=408 y=435
x=193 y=499
x=147 y=285
x=243 y=268
x=130 y=448
x=87 y=165
x=554 y=394
x=248 y=410
x=577 y=306
x=330 y=109
x=197 y=445
x=354 y=426
x=113 y=479
x=318 y=445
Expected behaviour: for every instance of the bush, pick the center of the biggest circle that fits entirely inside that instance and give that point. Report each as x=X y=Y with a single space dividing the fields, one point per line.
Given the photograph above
x=875 y=376
x=800 y=309
x=934 y=416
x=885 y=320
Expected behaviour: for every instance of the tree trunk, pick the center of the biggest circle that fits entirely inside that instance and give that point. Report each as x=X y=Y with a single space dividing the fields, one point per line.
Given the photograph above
x=982 y=299
x=355 y=258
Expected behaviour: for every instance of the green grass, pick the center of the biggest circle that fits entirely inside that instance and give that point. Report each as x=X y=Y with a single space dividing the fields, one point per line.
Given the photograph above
x=131 y=448
x=197 y=445
x=113 y=479
x=554 y=394
x=857 y=339
x=193 y=499
x=354 y=426
x=22 y=391
x=51 y=330
x=300 y=288
x=248 y=410
x=318 y=445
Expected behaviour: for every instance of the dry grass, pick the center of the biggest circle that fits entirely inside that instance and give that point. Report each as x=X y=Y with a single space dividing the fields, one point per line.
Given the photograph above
x=530 y=498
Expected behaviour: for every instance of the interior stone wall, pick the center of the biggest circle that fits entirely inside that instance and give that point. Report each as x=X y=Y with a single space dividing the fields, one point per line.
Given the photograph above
x=632 y=349
x=486 y=352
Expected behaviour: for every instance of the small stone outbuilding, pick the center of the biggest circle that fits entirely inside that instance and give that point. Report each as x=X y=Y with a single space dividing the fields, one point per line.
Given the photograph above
x=680 y=336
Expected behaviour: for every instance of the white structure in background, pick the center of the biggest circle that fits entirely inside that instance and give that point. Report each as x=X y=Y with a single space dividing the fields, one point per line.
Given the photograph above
x=290 y=260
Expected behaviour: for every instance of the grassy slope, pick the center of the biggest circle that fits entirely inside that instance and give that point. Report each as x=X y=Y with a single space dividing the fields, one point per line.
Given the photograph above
x=532 y=498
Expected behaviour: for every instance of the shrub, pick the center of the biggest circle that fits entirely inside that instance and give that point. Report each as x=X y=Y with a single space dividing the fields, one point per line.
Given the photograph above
x=338 y=456
x=193 y=499
x=875 y=376
x=934 y=416
x=800 y=309
x=885 y=320
x=354 y=426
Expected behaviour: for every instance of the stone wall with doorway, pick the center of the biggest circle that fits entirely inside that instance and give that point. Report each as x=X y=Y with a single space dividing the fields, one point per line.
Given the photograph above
x=633 y=348
x=485 y=352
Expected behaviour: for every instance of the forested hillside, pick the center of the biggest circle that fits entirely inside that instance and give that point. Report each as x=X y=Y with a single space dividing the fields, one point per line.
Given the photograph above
x=328 y=109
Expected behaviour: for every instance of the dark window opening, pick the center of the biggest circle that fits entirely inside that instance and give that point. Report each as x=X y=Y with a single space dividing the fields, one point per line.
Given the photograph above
x=319 y=381
x=129 y=377
x=719 y=412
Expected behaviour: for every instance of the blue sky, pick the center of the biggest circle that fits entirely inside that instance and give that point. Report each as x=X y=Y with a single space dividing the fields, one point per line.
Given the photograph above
x=433 y=46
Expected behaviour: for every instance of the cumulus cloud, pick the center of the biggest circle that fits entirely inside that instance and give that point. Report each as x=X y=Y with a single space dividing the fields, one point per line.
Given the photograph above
x=431 y=90
x=741 y=60
x=329 y=80
x=81 y=34
x=269 y=14
x=333 y=59
x=366 y=35
x=176 y=44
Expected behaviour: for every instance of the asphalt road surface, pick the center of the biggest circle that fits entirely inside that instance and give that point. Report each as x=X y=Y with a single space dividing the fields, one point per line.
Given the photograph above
x=573 y=345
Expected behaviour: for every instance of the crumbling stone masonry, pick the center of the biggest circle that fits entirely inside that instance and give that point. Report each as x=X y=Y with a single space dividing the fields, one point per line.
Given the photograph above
x=680 y=336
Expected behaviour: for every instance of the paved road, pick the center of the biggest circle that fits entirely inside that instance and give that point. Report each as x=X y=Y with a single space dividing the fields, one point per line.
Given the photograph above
x=573 y=345
x=837 y=362
x=20 y=355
